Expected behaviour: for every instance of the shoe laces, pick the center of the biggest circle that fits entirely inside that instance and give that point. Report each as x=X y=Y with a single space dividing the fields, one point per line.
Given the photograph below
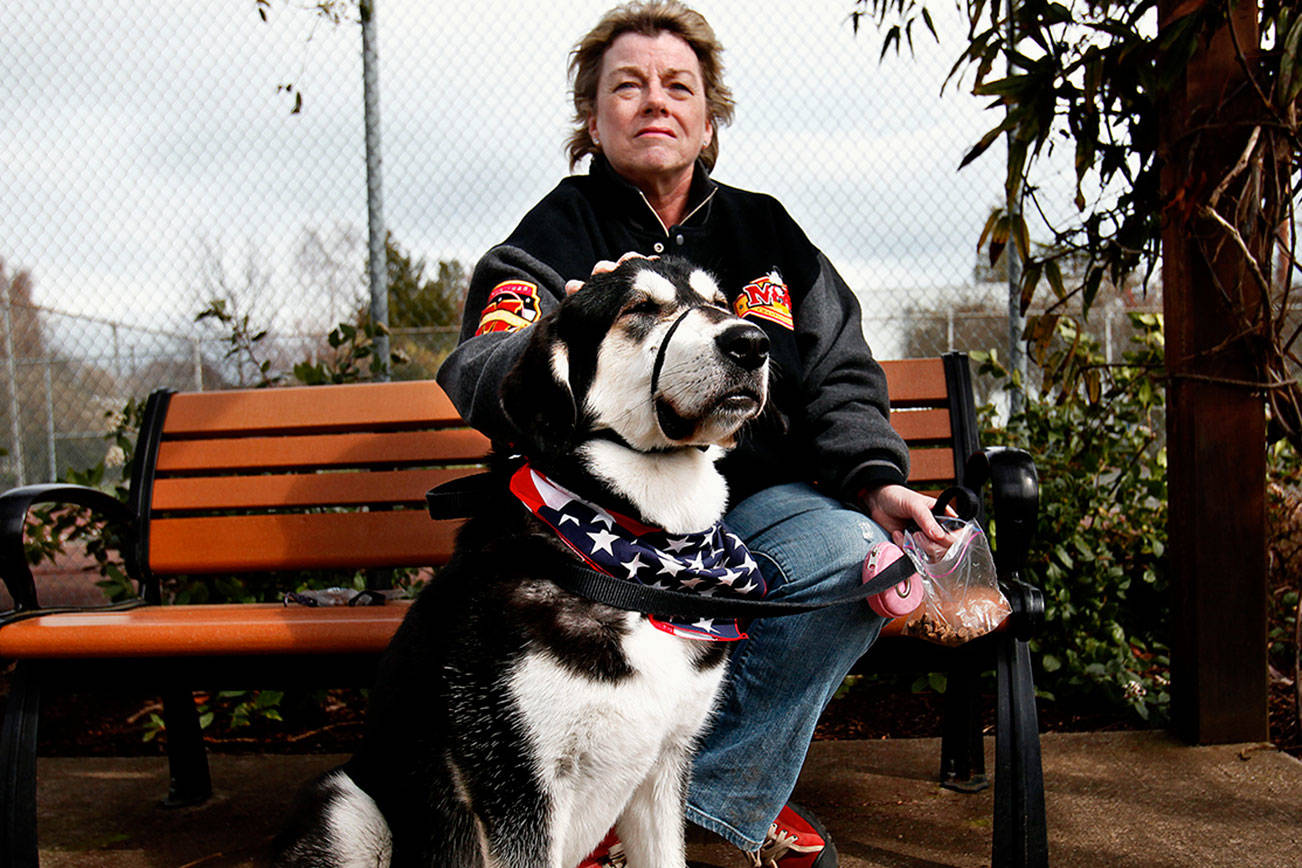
x=778 y=844
x=615 y=858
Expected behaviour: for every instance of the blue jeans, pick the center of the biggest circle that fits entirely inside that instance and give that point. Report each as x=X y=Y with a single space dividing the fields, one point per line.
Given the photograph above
x=808 y=547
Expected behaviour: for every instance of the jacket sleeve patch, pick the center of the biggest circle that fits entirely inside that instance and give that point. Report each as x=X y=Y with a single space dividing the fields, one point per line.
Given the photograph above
x=512 y=305
x=767 y=298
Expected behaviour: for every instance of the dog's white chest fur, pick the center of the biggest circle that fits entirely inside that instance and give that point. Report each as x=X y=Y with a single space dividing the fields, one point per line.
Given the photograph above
x=607 y=750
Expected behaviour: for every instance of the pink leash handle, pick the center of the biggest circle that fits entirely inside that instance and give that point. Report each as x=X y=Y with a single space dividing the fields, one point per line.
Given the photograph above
x=899 y=599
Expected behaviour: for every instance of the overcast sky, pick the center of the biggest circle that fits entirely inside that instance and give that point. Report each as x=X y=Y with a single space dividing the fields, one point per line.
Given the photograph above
x=134 y=133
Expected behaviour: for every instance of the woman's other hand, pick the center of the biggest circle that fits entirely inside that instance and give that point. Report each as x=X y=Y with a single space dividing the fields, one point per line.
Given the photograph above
x=602 y=267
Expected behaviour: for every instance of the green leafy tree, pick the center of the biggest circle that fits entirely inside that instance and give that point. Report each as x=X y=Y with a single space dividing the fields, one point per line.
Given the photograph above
x=424 y=318
x=1099 y=79
x=1097 y=438
x=979 y=322
x=420 y=301
x=424 y=309
x=1095 y=78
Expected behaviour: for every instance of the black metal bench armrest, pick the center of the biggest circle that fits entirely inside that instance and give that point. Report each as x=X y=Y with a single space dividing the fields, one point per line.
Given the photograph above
x=1027 y=602
x=15 y=505
x=1015 y=495
x=1015 y=492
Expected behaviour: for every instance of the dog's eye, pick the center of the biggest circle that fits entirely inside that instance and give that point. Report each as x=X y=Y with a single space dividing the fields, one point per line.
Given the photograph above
x=645 y=307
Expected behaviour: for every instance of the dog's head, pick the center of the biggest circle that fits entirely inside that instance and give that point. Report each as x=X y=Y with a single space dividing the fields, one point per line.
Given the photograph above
x=647 y=354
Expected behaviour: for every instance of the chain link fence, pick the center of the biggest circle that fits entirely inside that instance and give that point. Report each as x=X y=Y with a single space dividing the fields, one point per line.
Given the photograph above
x=158 y=157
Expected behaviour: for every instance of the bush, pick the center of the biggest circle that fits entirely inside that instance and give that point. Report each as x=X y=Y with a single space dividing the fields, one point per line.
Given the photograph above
x=1096 y=433
x=1284 y=577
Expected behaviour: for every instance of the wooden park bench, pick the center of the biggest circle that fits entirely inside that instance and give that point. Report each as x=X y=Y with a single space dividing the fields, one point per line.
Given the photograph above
x=334 y=478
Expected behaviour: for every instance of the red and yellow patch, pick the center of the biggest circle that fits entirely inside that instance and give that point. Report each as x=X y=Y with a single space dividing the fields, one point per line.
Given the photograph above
x=766 y=298
x=512 y=305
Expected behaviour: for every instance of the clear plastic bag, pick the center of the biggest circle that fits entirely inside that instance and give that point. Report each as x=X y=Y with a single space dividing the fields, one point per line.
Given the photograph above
x=962 y=599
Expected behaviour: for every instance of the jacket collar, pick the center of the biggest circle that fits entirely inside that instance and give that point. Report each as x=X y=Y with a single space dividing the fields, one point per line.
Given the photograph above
x=627 y=196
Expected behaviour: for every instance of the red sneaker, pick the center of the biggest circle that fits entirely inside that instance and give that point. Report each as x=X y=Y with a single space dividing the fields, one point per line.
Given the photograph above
x=796 y=840
x=609 y=853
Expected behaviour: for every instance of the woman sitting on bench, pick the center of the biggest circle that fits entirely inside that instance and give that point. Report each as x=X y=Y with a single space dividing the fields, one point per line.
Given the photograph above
x=813 y=486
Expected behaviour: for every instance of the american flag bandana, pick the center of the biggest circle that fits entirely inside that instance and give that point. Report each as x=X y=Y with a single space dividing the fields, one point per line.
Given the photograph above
x=712 y=562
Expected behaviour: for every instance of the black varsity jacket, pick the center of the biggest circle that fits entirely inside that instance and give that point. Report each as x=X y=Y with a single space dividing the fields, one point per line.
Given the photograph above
x=831 y=425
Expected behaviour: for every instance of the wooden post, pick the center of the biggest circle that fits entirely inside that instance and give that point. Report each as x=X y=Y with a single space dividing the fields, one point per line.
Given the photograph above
x=1215 y=430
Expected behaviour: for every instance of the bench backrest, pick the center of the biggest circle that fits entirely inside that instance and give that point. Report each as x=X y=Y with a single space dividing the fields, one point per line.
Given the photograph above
x=334 y=477
x=933 y=409
x=321 y=477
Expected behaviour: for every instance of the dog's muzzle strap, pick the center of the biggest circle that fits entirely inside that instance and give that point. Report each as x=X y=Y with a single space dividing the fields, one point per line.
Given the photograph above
x=664 y=346
x=632 y=597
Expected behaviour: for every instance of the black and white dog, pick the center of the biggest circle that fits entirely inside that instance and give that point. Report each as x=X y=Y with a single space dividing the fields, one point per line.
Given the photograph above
x=513 y=723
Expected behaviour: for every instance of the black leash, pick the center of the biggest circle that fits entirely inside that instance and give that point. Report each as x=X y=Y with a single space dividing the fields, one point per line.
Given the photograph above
x=631 y=597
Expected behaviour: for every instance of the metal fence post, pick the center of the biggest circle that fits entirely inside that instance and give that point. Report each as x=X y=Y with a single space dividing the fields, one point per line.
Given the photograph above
x=52 y=460
x=1016 y=322
x=117 y=351
x=1107 y=336
x=15 y=427
x=198 y=364
x=378 y=265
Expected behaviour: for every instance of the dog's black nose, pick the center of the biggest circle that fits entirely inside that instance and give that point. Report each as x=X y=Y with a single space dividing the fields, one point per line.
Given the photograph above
x=745 y=344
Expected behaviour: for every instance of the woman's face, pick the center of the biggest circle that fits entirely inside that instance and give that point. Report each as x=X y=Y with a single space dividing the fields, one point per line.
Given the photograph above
x=650 y=118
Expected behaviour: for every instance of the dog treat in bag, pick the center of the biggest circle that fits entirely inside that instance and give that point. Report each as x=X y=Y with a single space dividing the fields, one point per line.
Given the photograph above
x=962 y=599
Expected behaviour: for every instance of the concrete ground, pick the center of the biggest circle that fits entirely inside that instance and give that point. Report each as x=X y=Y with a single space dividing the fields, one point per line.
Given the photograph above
x=1133 y=799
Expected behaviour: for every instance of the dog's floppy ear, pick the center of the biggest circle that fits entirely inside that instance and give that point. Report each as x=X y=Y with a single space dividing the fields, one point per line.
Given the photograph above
x=536 y=394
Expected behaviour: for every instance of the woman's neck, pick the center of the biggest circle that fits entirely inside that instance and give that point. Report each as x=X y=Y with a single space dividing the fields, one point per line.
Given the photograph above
x=668 y=197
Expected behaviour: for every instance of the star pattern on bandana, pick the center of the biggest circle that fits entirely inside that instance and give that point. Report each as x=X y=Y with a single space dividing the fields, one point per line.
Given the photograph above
x=712 y=562
x=601 y=540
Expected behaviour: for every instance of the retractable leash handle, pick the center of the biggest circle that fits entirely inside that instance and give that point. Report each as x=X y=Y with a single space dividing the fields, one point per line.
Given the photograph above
x=900 y=598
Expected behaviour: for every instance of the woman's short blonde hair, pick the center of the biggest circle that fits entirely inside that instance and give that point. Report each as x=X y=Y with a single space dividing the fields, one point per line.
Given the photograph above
x=649 y=19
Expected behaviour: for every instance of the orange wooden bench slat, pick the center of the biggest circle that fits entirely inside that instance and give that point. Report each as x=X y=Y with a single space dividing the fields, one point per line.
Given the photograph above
x=300 y=489
x=914 y=425
x=931 y=465
x=916 y=381
x=166 y=631
x=245 y=629
x=342 y=407
x=259 y=543
x=322 y=450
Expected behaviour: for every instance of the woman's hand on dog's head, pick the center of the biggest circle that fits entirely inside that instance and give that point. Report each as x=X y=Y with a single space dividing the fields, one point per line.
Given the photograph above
x=602 y=267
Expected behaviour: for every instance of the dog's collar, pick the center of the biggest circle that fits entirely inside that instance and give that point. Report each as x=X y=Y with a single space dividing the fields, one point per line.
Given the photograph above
x=713 y=562
x=615 y=437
